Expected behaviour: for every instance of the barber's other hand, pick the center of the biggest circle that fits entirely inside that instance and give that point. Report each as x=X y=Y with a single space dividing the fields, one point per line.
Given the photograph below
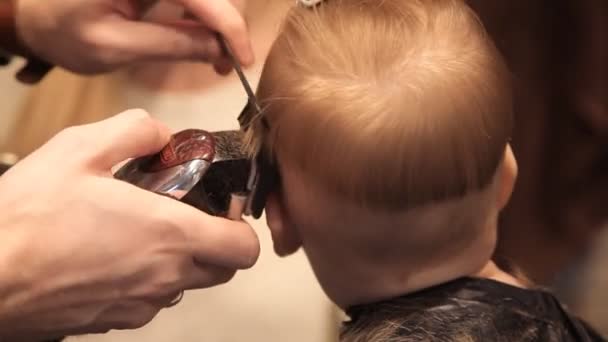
x=81 y=252
x=92 y=36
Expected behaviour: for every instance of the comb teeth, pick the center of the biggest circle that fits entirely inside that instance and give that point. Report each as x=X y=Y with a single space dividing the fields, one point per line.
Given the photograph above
x=308 y=3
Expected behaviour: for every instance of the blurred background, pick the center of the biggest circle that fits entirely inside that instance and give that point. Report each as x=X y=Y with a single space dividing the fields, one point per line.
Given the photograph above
x=554 y=228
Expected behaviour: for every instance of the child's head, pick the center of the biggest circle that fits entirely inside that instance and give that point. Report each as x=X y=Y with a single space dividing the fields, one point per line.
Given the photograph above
x=389 y=122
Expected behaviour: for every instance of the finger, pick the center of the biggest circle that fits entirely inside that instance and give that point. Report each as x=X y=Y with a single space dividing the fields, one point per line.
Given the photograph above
x=203 y=276
x=207 y=239
x=130 y=134
x=129 y=315
x=221 y=16
x=144 y=41
x=215 y=240
x=228 y=243
x=223 y=67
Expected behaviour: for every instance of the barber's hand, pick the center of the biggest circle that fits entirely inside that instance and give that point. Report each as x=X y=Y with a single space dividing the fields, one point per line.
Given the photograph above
x=81 y=252
x=92 y=36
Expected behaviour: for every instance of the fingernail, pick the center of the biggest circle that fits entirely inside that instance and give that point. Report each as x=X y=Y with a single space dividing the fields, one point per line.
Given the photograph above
x=223 y=68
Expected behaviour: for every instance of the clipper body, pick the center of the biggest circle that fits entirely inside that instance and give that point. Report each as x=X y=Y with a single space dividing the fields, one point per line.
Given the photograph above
x=207 y=170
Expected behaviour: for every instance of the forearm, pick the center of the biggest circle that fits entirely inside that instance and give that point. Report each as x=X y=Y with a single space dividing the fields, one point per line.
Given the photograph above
x=3 y=168
x=20 y=318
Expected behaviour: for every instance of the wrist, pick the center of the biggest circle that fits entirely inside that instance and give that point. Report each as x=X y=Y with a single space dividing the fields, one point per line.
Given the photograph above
x=12 y=285
x=12 y=44
x=24 y=314
x=16 y=283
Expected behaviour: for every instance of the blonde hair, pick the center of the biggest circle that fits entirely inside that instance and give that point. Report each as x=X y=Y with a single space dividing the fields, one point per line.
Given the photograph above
x=392 y=104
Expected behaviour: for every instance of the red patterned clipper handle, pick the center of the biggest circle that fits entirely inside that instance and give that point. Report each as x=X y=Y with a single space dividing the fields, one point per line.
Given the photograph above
x=183 y=147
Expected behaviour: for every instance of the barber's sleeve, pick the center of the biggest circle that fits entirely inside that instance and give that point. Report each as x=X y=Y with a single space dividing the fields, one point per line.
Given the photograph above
x=4 y=168
x=10 y=45
x=7 y=160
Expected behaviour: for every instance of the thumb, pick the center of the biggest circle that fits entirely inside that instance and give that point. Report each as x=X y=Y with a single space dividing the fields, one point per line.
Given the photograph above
x=130 y=134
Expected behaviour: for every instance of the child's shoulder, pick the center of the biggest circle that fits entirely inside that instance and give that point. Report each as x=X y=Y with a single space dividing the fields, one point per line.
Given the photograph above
x=473 y=309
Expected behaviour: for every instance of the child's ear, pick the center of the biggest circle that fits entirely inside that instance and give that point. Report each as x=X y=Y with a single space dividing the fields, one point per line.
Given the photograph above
x=508 y=177
x=285 y=237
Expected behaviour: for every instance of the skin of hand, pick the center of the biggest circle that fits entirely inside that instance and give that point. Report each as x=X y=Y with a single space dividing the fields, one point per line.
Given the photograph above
x=95 y=36
x=85 y=253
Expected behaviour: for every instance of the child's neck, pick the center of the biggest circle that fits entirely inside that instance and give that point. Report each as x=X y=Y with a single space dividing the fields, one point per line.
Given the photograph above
x=491 y=271
x=416 y=282
x=384 y=281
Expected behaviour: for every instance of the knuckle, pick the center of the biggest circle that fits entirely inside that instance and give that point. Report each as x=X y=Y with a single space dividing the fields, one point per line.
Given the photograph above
x=142 y=120
x=167 y=223
x=88 y=34
x=138 y=114
x=169 y=277
x=139 y=120
x=72 y=137
x=168 y=284
x=68 y=133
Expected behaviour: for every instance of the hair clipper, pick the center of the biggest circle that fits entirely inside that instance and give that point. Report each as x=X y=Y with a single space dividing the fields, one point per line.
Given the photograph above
x=207 y=170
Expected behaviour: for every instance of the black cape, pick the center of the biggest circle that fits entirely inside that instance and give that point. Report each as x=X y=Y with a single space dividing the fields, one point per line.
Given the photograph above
x=481 y=309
